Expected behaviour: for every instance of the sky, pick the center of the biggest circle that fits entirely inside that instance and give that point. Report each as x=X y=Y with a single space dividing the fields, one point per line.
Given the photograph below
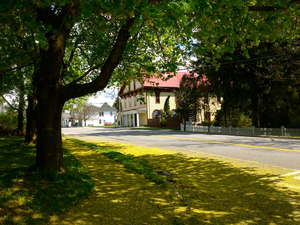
x=109 y=96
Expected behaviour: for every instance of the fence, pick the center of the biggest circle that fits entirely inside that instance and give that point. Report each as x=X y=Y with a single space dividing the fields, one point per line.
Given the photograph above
x=154 y=122
x=174 y=122
x=251 y=131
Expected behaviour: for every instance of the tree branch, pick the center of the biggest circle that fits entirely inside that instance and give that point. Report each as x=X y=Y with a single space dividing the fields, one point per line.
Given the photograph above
x=10 y=105
x=73 y=91
x=67 y=65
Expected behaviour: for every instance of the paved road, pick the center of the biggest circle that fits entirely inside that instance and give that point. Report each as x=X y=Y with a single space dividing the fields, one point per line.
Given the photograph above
x=272 y=151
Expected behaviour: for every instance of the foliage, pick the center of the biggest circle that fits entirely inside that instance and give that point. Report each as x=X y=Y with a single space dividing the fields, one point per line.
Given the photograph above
x=264 y=88
x=167 y=111
x=105 y=105
x=208 y=123
x=85 y=113
x=117 y=104
x=8 y=123
x=76 y=103
x=192 y=88
x=235 y=118
x=32 y=196
x=163 y=122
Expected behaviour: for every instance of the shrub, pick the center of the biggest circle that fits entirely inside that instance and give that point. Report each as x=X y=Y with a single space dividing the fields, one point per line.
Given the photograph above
x=163 y=122
x=8 y=124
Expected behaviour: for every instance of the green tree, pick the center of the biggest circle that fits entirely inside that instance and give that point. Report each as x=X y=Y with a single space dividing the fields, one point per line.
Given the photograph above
x=258 y=87
x=167 y=111
x=117 y=104
x=79 y=45
x=105 y=105
x=187 y=97
x=85 y=112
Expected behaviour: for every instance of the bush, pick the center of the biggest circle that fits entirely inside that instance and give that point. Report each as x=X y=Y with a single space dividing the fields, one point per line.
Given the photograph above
x=163 y=123
x=8 y=124
x=208 y=123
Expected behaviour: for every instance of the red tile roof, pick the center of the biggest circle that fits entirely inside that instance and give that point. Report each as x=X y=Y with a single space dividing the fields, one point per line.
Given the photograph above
x=163 y=82
x=173 y=82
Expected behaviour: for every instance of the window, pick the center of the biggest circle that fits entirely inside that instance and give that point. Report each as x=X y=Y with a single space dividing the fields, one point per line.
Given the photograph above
x=174 y=113
x=134 y=100
x=100 y=121
x=129 y=102
x=111 y=113
x=125 y=102
x=156 y=114
x=134 y=87
x=101 y=113
x=157 y=97
x=129 y=87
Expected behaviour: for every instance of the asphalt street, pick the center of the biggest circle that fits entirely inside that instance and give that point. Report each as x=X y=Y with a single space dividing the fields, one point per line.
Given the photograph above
x=271 y=151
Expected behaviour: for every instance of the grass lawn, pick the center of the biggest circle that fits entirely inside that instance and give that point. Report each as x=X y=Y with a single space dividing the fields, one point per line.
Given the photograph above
x=28 y=196
x=112 y=183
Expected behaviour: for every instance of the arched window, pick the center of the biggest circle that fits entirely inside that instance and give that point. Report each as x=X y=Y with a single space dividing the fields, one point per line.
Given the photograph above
x=156 y=114
x=174 y=113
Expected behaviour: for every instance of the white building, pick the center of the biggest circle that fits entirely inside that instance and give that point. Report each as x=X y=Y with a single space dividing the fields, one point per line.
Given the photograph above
x=104 y=116
x=90 y=116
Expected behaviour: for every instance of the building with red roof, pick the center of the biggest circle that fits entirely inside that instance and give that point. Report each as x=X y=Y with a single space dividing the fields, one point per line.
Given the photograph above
x=142 y=101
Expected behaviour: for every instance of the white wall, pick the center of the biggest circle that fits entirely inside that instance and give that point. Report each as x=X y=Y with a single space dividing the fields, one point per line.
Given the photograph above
x=97 y=120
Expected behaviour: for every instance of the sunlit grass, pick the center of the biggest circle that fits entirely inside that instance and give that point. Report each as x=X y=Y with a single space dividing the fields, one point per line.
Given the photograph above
x=200 y=190
x=206 y=190
x=126 y=160
x=29 y=196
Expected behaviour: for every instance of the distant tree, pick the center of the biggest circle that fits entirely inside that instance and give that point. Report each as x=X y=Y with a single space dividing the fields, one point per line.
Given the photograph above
x=167 y=112
x=263 y=88
x=105 y=105
x=85 y=113
x=117 y=104
x=187 y=97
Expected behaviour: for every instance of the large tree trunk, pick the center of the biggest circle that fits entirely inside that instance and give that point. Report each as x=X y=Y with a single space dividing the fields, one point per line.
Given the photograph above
x=21 y=113
x=49 y=141
x=50 y=100
x=31 y=114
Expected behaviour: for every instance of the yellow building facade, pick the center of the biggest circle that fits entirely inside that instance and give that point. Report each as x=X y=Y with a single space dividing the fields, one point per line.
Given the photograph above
x=143 y=101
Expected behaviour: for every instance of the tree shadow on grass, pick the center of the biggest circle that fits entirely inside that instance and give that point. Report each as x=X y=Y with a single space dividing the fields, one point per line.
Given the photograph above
x=29 y=196
x=199 y=191
x=215 y=192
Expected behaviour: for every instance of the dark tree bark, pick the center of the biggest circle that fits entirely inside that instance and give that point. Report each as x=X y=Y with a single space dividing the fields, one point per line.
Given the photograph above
x=31 y=115
x=21 y=113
